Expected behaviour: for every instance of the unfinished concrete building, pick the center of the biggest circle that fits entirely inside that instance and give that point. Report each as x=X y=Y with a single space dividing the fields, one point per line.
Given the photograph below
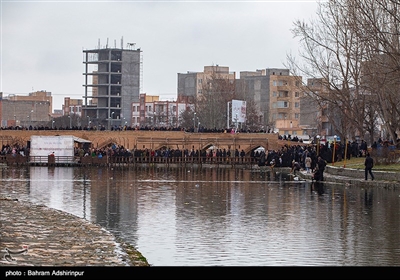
x=112 y=84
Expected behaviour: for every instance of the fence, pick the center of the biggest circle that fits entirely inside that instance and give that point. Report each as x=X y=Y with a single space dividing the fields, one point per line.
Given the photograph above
x=123 y=160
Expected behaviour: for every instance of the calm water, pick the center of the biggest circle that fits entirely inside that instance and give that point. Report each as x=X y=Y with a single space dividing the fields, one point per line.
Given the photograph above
x=193 y=217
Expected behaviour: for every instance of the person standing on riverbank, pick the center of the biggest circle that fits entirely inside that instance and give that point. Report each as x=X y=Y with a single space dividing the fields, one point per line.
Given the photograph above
x=369 y=164
x=321 y=163
x=308 y=162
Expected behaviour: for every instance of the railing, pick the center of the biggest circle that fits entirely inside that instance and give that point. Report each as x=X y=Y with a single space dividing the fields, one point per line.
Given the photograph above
x=123 y=160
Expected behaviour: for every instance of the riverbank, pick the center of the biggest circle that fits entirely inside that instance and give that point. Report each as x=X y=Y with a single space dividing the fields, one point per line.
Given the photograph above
x=35 y=235
x=351 y=176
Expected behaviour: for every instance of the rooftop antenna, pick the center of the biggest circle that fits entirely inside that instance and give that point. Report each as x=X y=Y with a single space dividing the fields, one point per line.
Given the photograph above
x=122 y=42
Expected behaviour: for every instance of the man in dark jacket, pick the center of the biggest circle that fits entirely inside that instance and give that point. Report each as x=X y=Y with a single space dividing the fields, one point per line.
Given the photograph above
x=369 y=163
x=321 y=163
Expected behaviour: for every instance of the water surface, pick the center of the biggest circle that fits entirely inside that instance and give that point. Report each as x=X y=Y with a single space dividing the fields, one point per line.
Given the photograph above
x=223 y=217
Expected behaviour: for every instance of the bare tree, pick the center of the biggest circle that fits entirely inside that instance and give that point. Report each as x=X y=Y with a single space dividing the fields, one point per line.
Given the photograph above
x=377 y=24
x=334 y=54
x=186 y=119
x=211 y=105
x=354 y=48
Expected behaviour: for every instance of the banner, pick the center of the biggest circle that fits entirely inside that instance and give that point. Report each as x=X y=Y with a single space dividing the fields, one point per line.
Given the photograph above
x=238 y=111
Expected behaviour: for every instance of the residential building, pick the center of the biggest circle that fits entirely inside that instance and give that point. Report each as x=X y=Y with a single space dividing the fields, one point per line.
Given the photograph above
x=255 y=85
x=151 y=111
x=312 y=118
x=276 y=95
x=33 y=109
x=112 y=83
x=190 y=84
x=314 y=115
x=72 y=106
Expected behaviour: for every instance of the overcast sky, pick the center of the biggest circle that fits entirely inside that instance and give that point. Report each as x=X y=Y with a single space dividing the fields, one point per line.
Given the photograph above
x=42 y=42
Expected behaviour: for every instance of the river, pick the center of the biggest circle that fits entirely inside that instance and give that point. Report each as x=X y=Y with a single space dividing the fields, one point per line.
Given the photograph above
x=223 y=217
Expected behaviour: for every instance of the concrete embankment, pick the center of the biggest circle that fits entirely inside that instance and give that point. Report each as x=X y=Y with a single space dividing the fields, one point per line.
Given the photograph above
x=35 y=235
x=337 y=174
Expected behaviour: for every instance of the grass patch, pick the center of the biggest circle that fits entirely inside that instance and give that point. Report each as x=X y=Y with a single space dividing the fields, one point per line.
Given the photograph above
x=135 y=258
x=358 y=163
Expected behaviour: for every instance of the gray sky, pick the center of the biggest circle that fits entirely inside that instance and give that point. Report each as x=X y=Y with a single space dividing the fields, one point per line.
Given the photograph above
x=42 y=41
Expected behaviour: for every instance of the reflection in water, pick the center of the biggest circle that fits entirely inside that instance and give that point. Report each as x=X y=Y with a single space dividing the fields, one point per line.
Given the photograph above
x=228 y=217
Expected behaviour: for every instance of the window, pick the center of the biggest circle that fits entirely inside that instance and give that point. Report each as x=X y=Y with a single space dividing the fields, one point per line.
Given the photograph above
x=296 y=115
x=279 y=83
x=280 y=104
x=296 y=104
x=283 y=94
x=296 y=94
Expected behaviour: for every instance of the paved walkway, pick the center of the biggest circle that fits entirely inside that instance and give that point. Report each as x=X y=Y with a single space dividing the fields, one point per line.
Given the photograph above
x=35 y=235
x=346 y=180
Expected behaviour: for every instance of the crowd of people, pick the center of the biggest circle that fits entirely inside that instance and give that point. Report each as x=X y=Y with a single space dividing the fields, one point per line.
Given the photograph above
x=293 y=154
x=200 y=129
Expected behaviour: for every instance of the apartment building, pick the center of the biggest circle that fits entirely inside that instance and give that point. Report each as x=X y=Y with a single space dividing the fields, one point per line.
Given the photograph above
x=151 y=111
x=72 y=107
x=190 y=84
x=312 y=120
x=285 y=95
x=112 y=83
x=276 y=94
x=33 y=109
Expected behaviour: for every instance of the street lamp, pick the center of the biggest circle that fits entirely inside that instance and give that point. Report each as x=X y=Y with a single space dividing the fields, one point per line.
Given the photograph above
x=88 y=120
x=30 y=117
x=70 y=122
x=236 y=120
x=111 y=118
x=318 y=145
x=194 y=122
x=52 y=124
x=334 y=148
x=345 y=153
